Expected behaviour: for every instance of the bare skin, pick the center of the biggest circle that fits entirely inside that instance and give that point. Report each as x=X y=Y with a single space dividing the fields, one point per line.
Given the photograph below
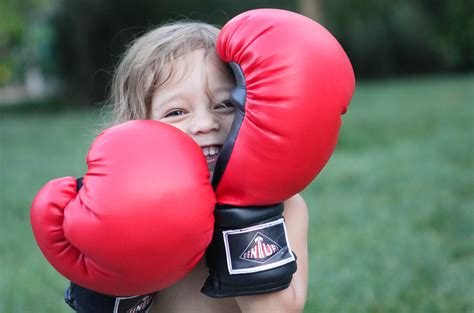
x=185 y=296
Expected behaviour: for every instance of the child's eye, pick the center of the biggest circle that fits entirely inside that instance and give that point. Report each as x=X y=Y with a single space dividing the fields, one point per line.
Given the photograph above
x=174 y=113
x=225 y=105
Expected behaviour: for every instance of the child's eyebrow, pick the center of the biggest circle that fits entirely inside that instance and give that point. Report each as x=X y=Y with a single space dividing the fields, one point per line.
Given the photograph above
x=217 y=94
x=163 y=100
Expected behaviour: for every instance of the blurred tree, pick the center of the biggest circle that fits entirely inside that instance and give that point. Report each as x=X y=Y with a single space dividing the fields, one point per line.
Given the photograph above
x=311 y=9
x=404 y=36
x=381 y=37
x=453 y=22
x=24 y=35
x=91 y=35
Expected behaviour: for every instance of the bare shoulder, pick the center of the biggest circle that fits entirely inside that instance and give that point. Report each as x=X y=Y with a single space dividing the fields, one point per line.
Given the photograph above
x=296 y=201
x=296 y=220
x=295 y=207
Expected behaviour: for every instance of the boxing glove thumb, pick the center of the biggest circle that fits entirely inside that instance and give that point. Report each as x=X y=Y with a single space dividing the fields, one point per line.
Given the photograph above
x=47 y=211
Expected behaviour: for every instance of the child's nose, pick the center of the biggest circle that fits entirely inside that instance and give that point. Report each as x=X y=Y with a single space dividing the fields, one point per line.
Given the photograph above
x=204 y=122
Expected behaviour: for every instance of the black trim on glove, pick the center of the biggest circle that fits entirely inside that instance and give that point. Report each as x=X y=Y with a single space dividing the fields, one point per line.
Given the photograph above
x=238 y=97
x=83 y=300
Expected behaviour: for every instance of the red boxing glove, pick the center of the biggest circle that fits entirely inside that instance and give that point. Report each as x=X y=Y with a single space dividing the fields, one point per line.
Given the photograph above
x=294 y=81
x=294 y=84
x=127 y=230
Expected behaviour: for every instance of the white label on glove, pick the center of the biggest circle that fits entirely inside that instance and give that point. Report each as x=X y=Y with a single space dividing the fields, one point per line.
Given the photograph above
x=135 y=304
x=257 y=248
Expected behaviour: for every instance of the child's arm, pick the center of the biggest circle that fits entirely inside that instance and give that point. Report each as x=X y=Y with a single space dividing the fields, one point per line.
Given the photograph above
x=293 y=298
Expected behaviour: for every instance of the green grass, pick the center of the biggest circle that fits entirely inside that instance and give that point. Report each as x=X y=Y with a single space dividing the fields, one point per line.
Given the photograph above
x=391 y=215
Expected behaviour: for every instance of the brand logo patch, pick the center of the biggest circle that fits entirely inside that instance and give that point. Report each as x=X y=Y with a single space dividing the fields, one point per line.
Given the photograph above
x=260 y=249
x=257 y=248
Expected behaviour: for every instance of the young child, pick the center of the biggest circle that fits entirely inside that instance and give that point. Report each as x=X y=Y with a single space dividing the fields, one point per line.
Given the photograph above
x=172 y=74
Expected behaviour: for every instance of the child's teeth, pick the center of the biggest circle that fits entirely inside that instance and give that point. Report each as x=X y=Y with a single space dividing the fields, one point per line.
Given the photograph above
x=210 y=151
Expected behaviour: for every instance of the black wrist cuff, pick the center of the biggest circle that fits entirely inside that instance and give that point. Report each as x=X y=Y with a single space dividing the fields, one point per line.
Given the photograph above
x=215 y=289
x=228 y=216
x=83 y=300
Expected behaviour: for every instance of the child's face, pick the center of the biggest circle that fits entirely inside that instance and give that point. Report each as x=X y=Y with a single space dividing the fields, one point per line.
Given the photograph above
x=196 y=101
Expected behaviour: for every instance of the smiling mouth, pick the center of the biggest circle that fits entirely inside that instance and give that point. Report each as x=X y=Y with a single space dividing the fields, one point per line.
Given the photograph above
x=211 y=152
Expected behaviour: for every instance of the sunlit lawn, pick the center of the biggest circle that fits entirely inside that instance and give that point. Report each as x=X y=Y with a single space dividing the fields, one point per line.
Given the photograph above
x=392 y=215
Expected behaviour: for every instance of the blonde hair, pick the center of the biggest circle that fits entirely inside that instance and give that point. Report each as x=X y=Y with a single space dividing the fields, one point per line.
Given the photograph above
x=146 y=65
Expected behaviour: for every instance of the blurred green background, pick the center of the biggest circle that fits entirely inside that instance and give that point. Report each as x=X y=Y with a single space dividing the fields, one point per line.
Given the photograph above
x=392 y=214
